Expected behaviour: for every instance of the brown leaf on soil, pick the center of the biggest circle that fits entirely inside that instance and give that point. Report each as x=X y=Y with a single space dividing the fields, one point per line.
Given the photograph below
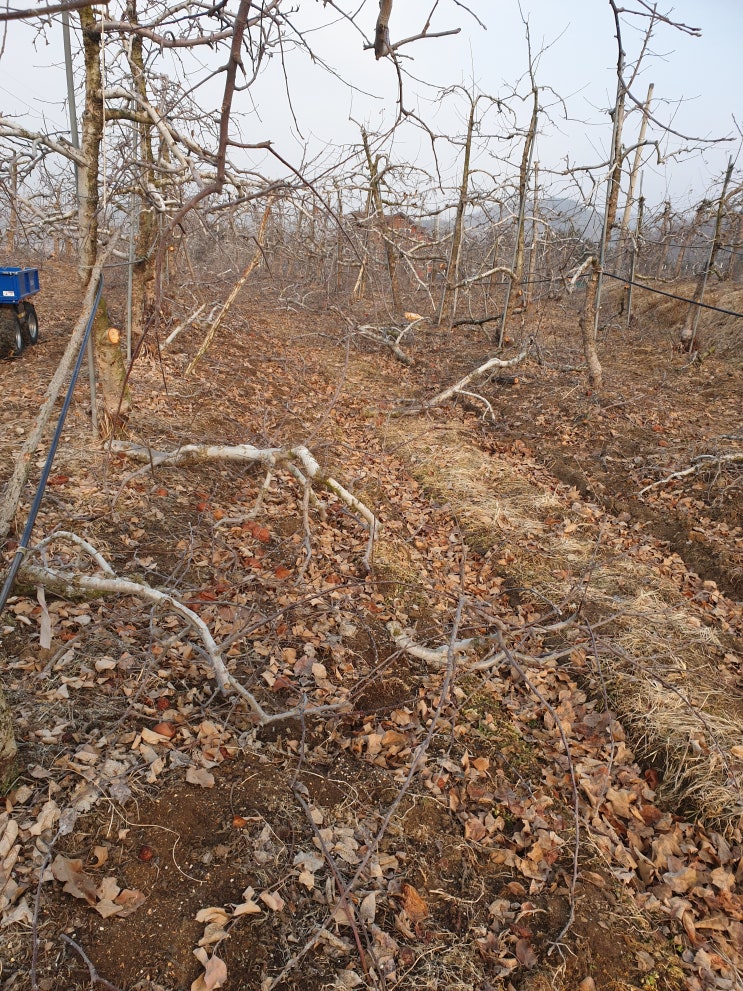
x=247 y=906
x=129 y=900
x=213 y=914
x=681 y=881
x=100 y=853
x=76 y=882
x=200 y=776
x=215 y=971
x=525 y=954
x=106 y=908
x=415 y=907
x=273 y=900
x=167 y=730
x=474 y=830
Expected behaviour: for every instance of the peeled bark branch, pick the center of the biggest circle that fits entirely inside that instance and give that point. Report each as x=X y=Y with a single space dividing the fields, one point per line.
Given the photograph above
x=703 y=463
x=245 y=453
x=379 y=337
x=71 y=584
x=462 y=383
x=436 y=656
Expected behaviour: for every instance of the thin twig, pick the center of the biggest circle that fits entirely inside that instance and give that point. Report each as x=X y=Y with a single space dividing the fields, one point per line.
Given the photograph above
x=95 y=977
x=702 y=462
x=344 y=901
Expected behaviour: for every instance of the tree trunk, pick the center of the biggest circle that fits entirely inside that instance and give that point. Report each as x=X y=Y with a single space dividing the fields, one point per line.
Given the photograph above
x=696 y=225
x=109 y=358
x=587 y=325
x=8 y=748
x=636 y=163
x=666 y=228
x=448 y=305
x=735 y=248
x=143 y=272
x=526 y=156
x=689 y=330
x=376 y=194
x=531 y=274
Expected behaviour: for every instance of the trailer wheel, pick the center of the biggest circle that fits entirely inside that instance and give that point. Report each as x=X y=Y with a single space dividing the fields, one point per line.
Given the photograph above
x=30 y=324
x=11 y=333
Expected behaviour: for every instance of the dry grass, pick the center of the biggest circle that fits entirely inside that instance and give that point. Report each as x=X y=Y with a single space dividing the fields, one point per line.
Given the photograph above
x=656 y=656
x=714 y=328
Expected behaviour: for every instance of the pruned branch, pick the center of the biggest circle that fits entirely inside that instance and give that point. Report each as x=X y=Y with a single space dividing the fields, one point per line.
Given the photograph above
x=56 y=8
x=437 y=657
x=70 y=584
x=382 y=30
x=60 y=145
x=462 y=383
x=246 y=453
x=703 y=462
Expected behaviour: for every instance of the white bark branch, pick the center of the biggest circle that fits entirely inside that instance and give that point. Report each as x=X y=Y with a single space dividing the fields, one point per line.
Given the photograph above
x=246 y=453
x=462 y=383
x=181 y=326
x=69 y=585
x=705 y=461
x=61 y=145
x=438 y=656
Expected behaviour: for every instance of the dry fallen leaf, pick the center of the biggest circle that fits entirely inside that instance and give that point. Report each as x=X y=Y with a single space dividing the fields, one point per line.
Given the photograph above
x=368 y=908
x=525 y=954
x=307 y=879
x=129 y=900
x=108 y=888
x=215 y=971
x=100 y=853
x=274 y=900
x=213 y=933
x=415 y=907
x=106 y=908
x=247 y=906
x=343 y=914
x=77 y=882
x=150 y=737
x=200 y=776
x=218 y=915
x=167 y=730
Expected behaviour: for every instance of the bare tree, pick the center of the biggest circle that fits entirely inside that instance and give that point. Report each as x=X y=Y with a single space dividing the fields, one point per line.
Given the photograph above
x=688 y=331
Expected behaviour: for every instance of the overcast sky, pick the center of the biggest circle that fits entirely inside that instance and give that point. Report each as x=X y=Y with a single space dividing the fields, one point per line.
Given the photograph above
x=698 y=83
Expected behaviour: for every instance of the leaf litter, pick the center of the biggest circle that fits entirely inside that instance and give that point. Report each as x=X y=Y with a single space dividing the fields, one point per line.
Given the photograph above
x=146 y=798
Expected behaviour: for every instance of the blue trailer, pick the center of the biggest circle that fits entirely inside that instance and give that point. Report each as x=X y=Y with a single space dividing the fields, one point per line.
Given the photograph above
x=19 y=325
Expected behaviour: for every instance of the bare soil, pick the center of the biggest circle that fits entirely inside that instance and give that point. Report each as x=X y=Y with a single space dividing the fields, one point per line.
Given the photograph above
x=467 y=869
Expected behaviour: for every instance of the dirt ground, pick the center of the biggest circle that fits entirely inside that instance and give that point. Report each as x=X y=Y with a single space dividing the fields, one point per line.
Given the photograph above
x=478 y=824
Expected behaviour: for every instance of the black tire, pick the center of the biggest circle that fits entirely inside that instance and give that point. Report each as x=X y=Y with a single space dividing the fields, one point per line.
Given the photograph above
x=30 y=324
x=11 y=333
